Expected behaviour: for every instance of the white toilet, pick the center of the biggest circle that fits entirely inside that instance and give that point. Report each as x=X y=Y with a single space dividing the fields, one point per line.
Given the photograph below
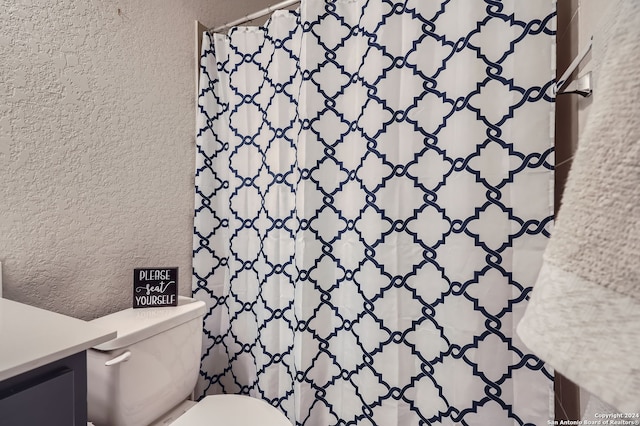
x=146 y=375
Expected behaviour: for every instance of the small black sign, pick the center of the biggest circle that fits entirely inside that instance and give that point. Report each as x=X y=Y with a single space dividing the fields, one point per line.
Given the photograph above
x=154 y=287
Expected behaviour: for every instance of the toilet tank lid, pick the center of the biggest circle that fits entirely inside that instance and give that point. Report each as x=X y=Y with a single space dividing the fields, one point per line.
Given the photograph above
x=135 y=325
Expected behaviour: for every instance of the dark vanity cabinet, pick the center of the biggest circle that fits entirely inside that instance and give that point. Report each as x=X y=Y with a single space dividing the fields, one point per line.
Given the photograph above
x=52 y=395
x=43 y=366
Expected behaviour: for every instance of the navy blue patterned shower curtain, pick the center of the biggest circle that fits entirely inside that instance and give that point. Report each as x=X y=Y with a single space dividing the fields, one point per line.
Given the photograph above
x=373 y=196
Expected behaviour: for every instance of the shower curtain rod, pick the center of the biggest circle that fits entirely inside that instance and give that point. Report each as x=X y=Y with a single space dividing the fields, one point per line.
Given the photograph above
x=255 y=15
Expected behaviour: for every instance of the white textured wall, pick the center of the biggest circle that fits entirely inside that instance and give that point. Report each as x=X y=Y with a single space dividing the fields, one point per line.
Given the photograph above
x=96 y=145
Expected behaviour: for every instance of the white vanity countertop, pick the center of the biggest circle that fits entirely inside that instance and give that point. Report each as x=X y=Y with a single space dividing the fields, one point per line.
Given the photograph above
x=31 y=337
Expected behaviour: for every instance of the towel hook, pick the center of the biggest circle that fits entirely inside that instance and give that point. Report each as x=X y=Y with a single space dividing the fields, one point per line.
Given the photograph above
x=584 y=83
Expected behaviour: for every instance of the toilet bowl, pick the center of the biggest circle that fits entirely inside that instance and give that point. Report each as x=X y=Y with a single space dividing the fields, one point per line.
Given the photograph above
x=232 y=410
x=146 y=375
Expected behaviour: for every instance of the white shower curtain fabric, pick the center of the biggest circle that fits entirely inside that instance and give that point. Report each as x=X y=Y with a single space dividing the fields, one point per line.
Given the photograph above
x=373 y=196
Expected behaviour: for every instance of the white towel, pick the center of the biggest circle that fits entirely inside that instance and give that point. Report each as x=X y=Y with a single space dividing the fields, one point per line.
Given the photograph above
x=584 y=314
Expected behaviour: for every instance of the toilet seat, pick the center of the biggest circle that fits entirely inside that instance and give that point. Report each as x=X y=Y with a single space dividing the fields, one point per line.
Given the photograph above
x=232 y=410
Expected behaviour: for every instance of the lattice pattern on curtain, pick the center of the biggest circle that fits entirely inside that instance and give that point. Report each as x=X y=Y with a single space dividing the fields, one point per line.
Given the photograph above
x=373 y=196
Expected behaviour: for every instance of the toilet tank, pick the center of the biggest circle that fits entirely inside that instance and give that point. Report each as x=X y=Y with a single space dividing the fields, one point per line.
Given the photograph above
x=149 y=368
